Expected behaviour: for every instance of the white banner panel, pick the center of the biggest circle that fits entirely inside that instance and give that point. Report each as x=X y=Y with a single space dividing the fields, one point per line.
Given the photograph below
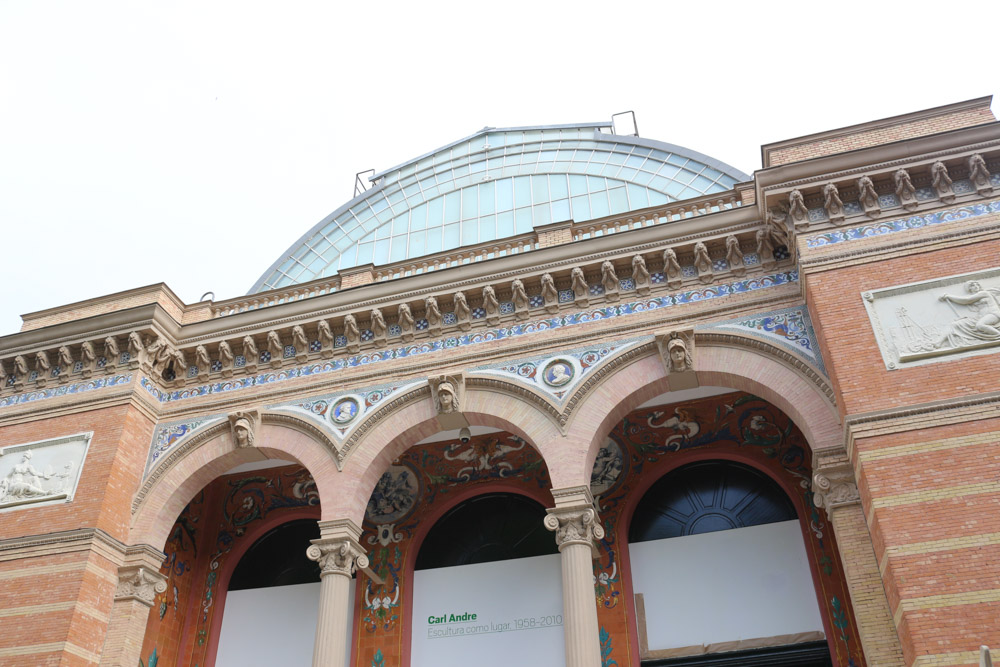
x=489 y=615
x=744 y=583
x=264 y=627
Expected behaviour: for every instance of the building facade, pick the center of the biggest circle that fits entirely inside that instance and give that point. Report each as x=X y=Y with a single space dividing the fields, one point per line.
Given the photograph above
x=545 y=395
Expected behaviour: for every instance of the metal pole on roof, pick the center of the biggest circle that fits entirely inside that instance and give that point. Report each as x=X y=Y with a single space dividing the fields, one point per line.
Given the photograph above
x=359 y=185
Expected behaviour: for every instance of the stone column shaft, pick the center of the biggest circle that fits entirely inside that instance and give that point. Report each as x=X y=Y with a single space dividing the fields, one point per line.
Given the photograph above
x=575 y=523
x=338 y=556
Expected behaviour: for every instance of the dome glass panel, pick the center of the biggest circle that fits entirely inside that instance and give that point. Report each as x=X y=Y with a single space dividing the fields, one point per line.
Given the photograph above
x=493 y=185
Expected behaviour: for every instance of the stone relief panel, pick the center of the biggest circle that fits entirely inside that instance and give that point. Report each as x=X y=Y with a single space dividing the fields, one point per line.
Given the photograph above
x=936 y=320
x=42 y=472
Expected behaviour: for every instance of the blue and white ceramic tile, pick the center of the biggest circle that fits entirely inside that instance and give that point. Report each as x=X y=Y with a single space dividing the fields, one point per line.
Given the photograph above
x=789 y=328
x=55 y=392
x=169 y=435
x=902 y=224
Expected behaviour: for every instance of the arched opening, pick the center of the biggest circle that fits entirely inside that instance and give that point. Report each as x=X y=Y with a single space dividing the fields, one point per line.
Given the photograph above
x=723 y=538
x=488 y=572
x=271 y=603
x=484 y=529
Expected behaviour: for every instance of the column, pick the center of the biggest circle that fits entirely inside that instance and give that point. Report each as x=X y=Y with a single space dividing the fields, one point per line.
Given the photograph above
x=139 y=581
x=338 y=554
x=576 y=526
x=835 y=488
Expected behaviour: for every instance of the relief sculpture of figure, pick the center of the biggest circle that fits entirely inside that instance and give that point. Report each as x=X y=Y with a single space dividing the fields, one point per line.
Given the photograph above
x=679 y=357
x=243 y=432
x=20 y=366
x=351 y=331
x=978 y=173
x=250 y=350
x=447 y=398
x=701 y=259
x=226 y=354
x=87 y=355
x=201 y=359
x=640 y=274
x=135 y=347
x=462 y=311
x=550 y=295
x=982 y=325
x=42 y=362
x=111 y=352
x=866 y=192
x=274 y=345
x=23 y=481
x=519 y=295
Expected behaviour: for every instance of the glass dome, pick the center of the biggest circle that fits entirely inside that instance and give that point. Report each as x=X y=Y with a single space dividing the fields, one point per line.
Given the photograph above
x=495 y=184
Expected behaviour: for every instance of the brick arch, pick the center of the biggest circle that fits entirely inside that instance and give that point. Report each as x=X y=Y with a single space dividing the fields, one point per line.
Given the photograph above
x=738 y=362
x=210 y=453
x=414 y=418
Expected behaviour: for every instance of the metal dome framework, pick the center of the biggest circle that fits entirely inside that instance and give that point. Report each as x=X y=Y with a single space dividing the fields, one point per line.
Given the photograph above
x=495 y=184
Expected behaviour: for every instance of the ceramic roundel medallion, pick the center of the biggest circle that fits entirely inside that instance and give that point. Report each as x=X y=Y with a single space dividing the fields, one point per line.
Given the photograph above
x=344 y=411
x=558 y=373
x=608 y=467
x=395 y=495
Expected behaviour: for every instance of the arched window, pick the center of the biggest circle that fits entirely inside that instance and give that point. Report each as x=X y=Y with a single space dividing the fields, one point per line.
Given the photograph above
x=720 y=572
x=278 y=558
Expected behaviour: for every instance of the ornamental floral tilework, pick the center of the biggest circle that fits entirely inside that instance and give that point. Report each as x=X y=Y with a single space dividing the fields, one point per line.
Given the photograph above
x=789 y=328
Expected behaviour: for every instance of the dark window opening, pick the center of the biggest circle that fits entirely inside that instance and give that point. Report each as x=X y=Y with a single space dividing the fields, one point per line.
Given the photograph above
x=278 y=558
x=485 y=529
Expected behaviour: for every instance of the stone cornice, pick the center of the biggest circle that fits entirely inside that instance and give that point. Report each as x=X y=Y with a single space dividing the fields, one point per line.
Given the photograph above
x=915 y=417
x=67 y=541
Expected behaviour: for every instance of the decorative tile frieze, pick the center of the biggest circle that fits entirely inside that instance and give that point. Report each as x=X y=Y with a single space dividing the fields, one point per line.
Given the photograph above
x=166 y=436
x=43 y=472
x=558 y=375
x=338 y=413
x=936 y=320
x=55 y=392
x=902 y=224
x=790 y=328
x=484 y=336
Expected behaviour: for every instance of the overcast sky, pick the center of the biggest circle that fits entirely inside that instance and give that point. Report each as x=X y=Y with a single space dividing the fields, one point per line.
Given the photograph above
x=192 y=143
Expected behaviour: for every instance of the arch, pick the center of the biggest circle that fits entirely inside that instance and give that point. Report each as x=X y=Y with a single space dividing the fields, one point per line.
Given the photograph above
x=726 y=360
x=412 y=417
x=692 y=456
x=211 y=453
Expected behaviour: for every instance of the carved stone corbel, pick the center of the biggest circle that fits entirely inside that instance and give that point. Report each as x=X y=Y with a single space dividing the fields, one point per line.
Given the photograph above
x=275 y=348
x=448 y=394
x=522 y=305
x=407 y=325
x=111 y=354
x=301 y=344
x=64 y=360
x=226 y=359
x=250 y=354
x=609 y=280
x=491 y=305
x=380 y=332
x=202 y=362
x=136 y=351
x=550 y=295
x=942 y=182
x=326 y=340
x=42 y=368
x=180 y=367
x=835 y=486
x=980 y=175
x=703 y=263
x=868 y=197
x=352 y=333
x=432 y=313
x=20 y=372
x=463 y=314
x=677 y=354
x=734 y=256
x=581 y=291
x=833 y=204
x=797 y=209
x=88 y=357
x=671 y=269
x=140 y=584
x=243 y=427
x=640 y=275
x=905 y=191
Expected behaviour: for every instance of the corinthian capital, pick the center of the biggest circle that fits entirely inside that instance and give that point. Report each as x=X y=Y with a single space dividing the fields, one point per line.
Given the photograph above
x=140 y=584
x=835 y=487
x=338 y=556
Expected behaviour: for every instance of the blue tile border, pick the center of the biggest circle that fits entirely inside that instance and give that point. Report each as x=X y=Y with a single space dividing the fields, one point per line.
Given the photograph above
x=902 y=224
x=55 y=392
